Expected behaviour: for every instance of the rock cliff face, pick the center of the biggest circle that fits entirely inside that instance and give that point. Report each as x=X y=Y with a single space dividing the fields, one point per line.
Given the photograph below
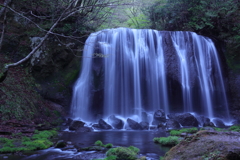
x=55 y=67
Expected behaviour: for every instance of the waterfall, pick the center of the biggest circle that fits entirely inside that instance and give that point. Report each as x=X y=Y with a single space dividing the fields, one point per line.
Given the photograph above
x=128 y=71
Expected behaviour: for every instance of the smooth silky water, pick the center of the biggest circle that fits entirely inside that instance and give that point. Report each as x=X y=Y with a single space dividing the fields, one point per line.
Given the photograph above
x=140 y=139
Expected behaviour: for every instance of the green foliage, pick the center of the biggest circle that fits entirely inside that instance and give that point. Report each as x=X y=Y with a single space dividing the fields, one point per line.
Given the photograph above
x=109 y=145
x=184 y=130
x=45 y=135
x=216 y=19
x=125 y=153
x=218 y=129
x=99 y=143
x=134 y=149
x=167 y=141
x=189 y=130
x=111 y=157
x=38 y=144
x=40 y=140
x=235 y=128
x=175 y=133
x=161 y=158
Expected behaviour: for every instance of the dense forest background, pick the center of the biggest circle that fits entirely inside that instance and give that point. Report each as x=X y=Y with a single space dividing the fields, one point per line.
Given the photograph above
x=44 y=40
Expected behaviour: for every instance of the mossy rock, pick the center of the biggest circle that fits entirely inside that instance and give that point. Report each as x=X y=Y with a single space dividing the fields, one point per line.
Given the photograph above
x=125 y=153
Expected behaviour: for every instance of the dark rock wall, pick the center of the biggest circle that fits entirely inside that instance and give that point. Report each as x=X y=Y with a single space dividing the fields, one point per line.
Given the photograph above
x=234 y=94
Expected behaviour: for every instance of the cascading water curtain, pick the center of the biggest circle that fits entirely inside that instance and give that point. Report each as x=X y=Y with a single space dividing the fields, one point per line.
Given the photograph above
x=136 y=71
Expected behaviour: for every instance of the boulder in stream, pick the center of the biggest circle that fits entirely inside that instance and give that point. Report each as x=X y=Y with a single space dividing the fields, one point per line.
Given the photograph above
x=133 y=124
x=75 y=125
x=185 y=119
x=103 y=125
x=116 y=122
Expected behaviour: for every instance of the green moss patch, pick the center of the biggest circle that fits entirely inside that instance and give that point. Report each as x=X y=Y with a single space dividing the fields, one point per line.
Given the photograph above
x=126 y=153
x=167 y=141
x=40 y=140
x=184 y=130
x=235 y=128
x=99 y=143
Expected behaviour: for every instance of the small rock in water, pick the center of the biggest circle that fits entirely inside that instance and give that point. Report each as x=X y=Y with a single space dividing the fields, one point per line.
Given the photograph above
x=103 y=125
x=75 y=125
x=116 y=122
x=133 y=124
x=5 y=157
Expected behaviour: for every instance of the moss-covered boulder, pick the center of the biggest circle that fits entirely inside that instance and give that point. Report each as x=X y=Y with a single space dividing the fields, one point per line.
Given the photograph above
x=126 y=153
x=207 y=145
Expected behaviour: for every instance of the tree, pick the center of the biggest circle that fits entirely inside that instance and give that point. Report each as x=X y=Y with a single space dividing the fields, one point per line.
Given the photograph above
x=217 y=19
x=49 y=14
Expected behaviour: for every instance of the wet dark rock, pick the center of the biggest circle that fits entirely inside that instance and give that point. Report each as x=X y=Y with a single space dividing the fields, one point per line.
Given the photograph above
x=208 y=124
x=96 y=126
x=68 y=121
x=205 y=122
x=116 y=122
x=185 y=119
x=161 y=127
x=60 y=144
x=133 y=124
x=233 y=154
x=75 y=125
x=144 y=125
x=69 y=148
x=207 y=145
x=84 y=129
x=159 y=116
x=103 y=125
x=219 y=123
x=172 y=124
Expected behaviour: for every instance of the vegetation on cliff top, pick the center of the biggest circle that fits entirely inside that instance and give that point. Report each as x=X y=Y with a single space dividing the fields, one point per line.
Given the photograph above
x=218 y=20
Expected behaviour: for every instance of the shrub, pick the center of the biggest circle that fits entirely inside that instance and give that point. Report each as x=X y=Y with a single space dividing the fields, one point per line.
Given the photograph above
x=184 y=130
x=111 y=158
x=99 y=143
x=217 y=129
x=134 y=149
x=38 y=144
x=109 y=145
x=123 y=153
x=44 y=134
x=167 y=141
x=235 y=128
x=189 y=130
x=175 y=133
